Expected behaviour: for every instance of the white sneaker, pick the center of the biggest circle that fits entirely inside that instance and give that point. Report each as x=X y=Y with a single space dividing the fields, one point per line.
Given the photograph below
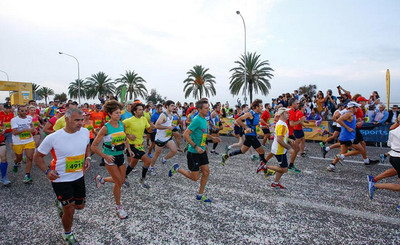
x=152 y=171
x=121 y=213
x=5 y=181
x=99 y=180
x=331 y=168
x=134 y=170
x=163 y=160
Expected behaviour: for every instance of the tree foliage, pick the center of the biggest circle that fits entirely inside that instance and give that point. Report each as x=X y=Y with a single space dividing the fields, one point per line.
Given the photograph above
x=310 y=90
x=61 y=97
x=135 y=85
x=155 y=97
x=199 y=83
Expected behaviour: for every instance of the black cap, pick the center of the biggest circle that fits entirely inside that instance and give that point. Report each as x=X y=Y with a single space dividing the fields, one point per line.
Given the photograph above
x=7 y=105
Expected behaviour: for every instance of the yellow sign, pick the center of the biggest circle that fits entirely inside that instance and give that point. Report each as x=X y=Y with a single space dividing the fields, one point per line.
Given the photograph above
x=387 y=88
x=22 y=92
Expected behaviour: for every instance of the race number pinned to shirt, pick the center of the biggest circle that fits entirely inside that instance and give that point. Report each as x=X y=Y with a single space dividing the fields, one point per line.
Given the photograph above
x=168 y=133
x=7 y=125
x=74 y=164
x=118 y=138
x=97 y=122
x=25 y=135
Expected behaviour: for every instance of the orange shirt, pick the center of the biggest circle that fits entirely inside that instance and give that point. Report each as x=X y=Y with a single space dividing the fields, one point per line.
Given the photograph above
x=97 y=118
x=89 y=126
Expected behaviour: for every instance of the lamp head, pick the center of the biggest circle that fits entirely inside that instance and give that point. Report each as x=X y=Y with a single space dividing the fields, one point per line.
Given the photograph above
x=238 y=12
x=60 y=52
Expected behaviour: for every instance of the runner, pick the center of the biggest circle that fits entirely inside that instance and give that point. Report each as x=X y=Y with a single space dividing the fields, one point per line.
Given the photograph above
x=36 y=124
x=97 y=116
x=48 y=127
x=293 y=104
x=215 y=126
x=336 y=131
x=164 y=135
x=298 y=129
x=153 y=120
x=147 y=115
x=196 y=135
x=347 y=135
x=88 y=124
x=394 y=144
x=22 y=139
x=3 y=154
x=71 y=158
x=252 y=119
x=176 y=121
x=264 y=123
x=114 y=138
x=280 y=147
x=60 y=123
x=135 y=127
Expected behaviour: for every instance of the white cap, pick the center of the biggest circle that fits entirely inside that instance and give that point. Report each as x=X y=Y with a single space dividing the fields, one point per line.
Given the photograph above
x=353 y=104
x=282 y=110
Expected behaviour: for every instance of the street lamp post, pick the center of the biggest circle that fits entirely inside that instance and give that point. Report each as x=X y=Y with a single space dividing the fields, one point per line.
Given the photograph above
x=6 y=74
x=79 y=79
x=245 y=58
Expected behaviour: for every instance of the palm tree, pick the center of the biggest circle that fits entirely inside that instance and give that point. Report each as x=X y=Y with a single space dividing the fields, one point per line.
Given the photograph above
x=98 y=84
x=258 y=75
x=199 y=83
x=73 y=88
x=134 y=85
x=45 y=92
x=35 y=88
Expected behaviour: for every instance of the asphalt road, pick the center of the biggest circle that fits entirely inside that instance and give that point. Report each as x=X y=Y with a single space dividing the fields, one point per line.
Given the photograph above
x=318 y=207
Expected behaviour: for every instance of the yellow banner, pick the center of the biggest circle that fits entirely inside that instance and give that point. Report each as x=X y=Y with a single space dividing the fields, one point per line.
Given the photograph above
x=387 y=88
x=311 y=132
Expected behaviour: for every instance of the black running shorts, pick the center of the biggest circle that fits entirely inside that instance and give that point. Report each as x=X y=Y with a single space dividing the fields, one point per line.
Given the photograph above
x=138 y=153
x=162 y=143
x=359 y=137
x=298 y=134
x=73 y=191
x=119 y=160
x=282 y=159
x=266 y=130
x=347 y=143
x=252 y=141
x=195 y=160
x=395 y=161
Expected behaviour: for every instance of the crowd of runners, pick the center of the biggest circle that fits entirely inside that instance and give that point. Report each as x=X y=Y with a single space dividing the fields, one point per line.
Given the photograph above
x=124 y=134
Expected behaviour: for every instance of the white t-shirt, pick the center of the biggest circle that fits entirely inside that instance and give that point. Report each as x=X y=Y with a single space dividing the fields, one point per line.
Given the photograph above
x=394 y=142
x=281 y=128
x=20 y=124
x=68 y=152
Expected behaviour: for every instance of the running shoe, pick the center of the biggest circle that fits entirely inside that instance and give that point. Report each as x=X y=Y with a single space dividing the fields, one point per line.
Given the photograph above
x=27 y=179
x=163 y=160
x=203 y=198
x=372 y=162
x=294 y=169
x=174 y=170
x=121 y=213
x=304 y=155
x=277 y=186
x=254 y=157
x=144 y=184
x=99 y=180
x=5 y=181
x=126 y=184
x=16 y=166
x=322 y=144
x=269 y=172
x=382 y=157
x=371 y=190
x=60 y=210
x=224 y=158
x=70 y=239
x=152 y=172
x=331 y=168
x=323 y=150
x=371 y=181
x=261 y=166
x=339 y=159
x=398 y=208
x=214 y=152
x=227 y=149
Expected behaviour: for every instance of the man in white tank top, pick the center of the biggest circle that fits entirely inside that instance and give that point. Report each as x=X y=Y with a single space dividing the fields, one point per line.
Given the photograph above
x=164 y=135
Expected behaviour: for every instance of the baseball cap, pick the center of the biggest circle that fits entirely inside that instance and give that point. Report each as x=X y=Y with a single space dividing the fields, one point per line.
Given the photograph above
x=282 y=110
x=353 y=104
x=7 y=105
x=361 y=99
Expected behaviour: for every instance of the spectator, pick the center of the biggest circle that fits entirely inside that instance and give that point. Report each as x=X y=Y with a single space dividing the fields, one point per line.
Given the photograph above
x=319 y=101
x=381 y=115
x=374 y=99
x=314 y=116
x=330 y=101
x=393 y=114
x=308 y=104
x=296 y=94
x=343 y=91
x=344 y=99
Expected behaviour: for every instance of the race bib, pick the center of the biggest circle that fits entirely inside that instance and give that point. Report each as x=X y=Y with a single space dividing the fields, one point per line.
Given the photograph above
x=139 y=147
x=25 y=135
x=97 y=122
x=36 y=124
x=118 y=138
x=175 y=122
x=203 y=140
x=168 y=133
x=89 y=127
x=74 y=164
x=7 y=125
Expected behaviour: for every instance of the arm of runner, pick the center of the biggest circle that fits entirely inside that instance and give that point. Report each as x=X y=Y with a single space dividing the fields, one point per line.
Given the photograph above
x=162 y=119
x=127 y=145
x=47 y=128
x=186 y=136
x=87 y=157
x=345 y=117
x=241 y=123
x=38 y=158
x=279 y=139
x=97 y=140
x=216 y=139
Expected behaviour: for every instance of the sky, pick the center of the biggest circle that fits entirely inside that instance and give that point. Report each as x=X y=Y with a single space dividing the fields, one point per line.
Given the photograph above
x=327 y=43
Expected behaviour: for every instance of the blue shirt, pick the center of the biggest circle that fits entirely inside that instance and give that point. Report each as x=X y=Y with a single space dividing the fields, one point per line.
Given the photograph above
x=252 y=123
x=126 y=115
x=154 y=119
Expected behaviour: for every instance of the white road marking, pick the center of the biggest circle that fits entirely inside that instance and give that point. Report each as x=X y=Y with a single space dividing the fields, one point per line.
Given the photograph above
x=341 y=210
x=352 y=161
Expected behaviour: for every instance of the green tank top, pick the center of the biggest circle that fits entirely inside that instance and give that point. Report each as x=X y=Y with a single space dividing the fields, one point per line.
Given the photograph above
x=115 y=137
